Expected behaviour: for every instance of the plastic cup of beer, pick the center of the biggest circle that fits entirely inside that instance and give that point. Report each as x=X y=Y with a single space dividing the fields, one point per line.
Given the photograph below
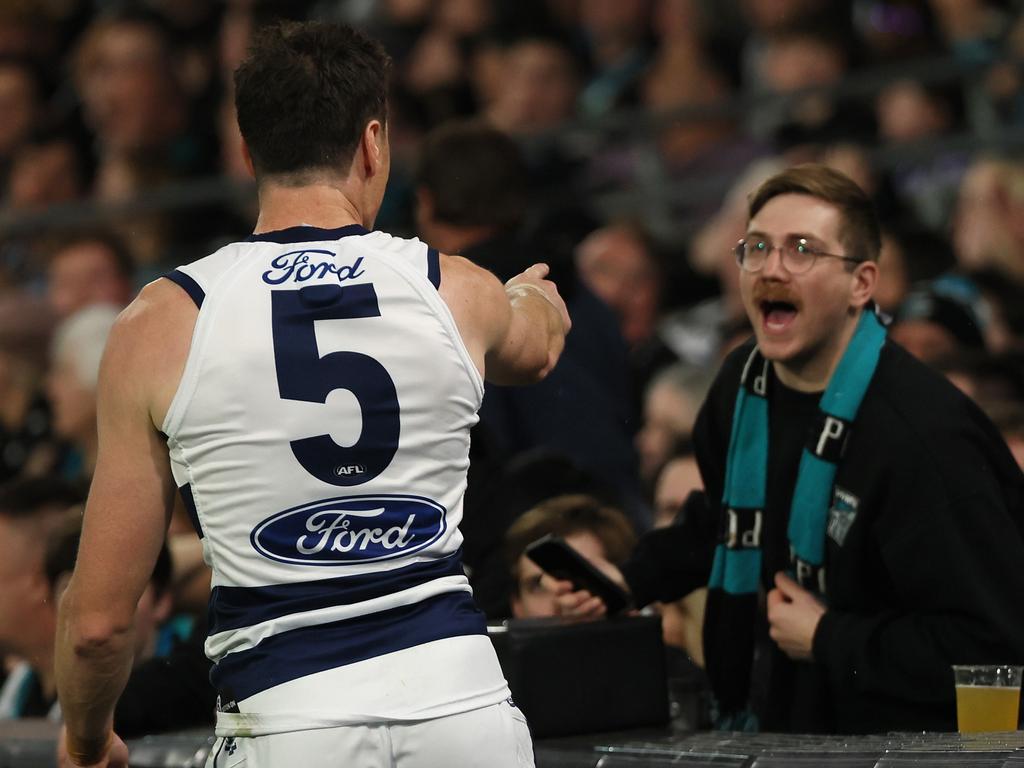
x=987 y=697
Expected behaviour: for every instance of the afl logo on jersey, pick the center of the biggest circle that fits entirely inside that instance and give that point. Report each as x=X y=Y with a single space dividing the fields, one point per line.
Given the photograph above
x=351 y=529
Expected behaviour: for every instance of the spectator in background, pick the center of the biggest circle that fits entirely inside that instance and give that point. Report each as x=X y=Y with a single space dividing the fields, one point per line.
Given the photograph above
x=435 y=66
x=30 y=511
x=988 y=225
x=618 y=264
x=616 y=33
x=673 y=398
x=807 y=56
x=20 y=105
x=910 y=256
x=534 y=88
x=472 y=197
x=146 y=135
x=49 y=168
x=1002 y=296
x=597 y=531
x=893 y=278
x=74 y=373
x=679 y=477
x=696 y=136
x=539 y=86
x=684 y=77
x=132 y=97
x=942 y=319
x=996 y=384
x=27 y=445
x=679 y=487
x=894 y=31
x=131 y=100
x=908 y=113
x=499 y=496
x=697 y=334
x=87 y=268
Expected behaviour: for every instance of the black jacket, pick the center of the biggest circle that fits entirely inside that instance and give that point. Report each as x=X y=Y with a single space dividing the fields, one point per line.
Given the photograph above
x=927 y=570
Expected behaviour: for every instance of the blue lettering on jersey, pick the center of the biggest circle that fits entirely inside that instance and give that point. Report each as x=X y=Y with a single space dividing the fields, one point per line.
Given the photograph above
x=350 y=529
x=297 y=267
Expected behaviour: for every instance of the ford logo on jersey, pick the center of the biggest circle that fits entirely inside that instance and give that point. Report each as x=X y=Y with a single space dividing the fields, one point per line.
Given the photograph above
x=350 y=529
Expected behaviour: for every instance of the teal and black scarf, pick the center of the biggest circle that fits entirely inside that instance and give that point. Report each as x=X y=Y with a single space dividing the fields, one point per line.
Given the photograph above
x=736 y=571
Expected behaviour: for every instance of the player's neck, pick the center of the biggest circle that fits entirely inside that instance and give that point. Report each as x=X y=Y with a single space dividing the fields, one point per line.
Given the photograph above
x=323 y=205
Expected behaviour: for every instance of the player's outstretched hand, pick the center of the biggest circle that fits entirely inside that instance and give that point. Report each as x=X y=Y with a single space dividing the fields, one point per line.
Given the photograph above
x=535 y=278
x=115 y=756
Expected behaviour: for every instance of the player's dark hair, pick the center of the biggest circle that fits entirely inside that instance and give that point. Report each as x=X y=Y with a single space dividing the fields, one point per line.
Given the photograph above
x=305 y=94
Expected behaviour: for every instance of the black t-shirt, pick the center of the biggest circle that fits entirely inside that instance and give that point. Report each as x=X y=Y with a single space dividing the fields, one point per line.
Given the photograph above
x=780 y=686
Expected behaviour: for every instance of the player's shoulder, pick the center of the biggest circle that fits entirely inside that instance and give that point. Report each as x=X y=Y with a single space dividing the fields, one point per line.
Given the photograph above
x=470 y=284
x=146 y=329
x=459 y=268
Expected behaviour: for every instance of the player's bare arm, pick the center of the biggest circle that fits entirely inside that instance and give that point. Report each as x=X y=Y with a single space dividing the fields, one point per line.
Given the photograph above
x=126 y=516
x=515 y=332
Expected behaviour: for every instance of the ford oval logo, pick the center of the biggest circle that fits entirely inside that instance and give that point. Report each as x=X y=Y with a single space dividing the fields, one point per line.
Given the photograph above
x=350 y=529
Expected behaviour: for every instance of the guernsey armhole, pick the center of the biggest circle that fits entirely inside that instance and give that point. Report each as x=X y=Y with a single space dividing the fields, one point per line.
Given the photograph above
x=442 y=312
x=190 y=373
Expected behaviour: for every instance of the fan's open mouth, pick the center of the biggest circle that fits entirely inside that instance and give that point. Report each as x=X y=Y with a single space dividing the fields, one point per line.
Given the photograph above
x=778 y=314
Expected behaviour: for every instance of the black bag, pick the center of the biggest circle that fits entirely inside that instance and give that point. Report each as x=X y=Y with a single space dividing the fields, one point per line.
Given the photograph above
x=585 y=677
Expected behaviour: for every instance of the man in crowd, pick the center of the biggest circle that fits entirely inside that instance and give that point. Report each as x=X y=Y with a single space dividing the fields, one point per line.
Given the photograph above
x=342 y=628
x=92 y=267
x=30 y=511
x=867 y=526
x=40 y=522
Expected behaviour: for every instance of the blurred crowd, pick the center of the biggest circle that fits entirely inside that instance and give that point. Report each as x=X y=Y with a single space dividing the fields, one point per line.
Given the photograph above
x=616 y=139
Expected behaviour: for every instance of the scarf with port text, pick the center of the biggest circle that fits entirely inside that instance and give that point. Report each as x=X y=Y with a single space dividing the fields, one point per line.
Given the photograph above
x=736 y=570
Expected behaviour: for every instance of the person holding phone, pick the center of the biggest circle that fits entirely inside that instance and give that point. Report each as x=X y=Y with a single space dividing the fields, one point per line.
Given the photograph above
x=595 y=531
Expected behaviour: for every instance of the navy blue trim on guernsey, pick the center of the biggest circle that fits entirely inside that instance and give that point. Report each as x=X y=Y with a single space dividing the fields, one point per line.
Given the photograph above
x=237 y=607
x=434 y=267
x=308 y=650
x=190 y=507
x=187 y=284
x=305 y=234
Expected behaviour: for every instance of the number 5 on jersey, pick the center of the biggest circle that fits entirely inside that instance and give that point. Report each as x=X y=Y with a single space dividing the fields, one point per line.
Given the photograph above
x=302 y=374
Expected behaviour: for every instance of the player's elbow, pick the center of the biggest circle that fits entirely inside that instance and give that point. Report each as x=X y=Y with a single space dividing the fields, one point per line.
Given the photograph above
x=97 y=636
x=95 y=632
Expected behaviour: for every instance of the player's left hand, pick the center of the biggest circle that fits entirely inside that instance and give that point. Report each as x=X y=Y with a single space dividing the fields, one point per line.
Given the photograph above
x=115 y=756
x=793 y=616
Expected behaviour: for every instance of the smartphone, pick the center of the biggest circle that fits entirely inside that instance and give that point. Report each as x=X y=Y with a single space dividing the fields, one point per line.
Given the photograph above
x=553 y=556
